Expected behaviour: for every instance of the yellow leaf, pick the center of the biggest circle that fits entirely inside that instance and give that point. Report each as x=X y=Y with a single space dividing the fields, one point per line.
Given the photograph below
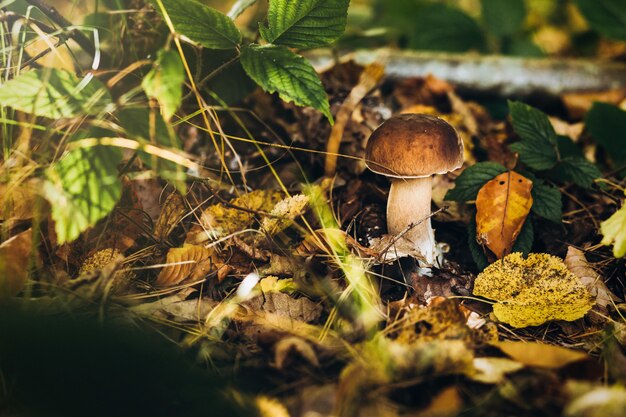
x=532 y=291
x=540 y=355
x=221 y=220
x=502 y=205
x=614 y=231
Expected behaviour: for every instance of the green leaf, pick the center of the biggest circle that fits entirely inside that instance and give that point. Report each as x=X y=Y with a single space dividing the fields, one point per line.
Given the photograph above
x=577 y=170
x=503 y=17
x=277 y=69
x=607 y=125
x=55 y=94
x=547 y=201
x=305 y=23
x=82 y=188
x=164 y=82
x=467 y=185
x=537 y=155
x=567 y=147
x=531 y=124
x=606 y=16
x=202 y=24
x=614 y=231
x=239 y=7
x=477 y=252
x=537 y=149
x=441 y=27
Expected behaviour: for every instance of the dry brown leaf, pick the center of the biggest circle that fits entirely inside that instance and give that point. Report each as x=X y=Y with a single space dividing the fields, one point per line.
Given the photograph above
x=578 y=104
x=578 y=265
x=502 y=206
x=540 y=355
x=172 y=212
x=15 y=254
x=446 y=403
x=148 y=192
x=190 y=262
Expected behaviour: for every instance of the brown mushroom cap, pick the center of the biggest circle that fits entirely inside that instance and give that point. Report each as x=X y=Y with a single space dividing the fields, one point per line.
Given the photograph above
x=414 y=146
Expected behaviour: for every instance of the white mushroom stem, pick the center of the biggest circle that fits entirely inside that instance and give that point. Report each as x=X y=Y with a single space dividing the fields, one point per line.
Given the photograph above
x=409 y=204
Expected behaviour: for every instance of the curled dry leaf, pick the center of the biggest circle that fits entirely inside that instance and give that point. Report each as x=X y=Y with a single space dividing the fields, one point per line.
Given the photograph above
x=171 y=214
x=502 y=206
x=190 y=262
x=283 y=214
x=578 y=265
x=15 y=254
x=17 y=203
x=532 y=291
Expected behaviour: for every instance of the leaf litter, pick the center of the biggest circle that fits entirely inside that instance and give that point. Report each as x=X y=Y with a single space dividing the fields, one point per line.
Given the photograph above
x=177 y=266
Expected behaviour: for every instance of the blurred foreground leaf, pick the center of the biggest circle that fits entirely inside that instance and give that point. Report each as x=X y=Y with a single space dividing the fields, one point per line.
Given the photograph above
x=82 y=187
x=54 y=94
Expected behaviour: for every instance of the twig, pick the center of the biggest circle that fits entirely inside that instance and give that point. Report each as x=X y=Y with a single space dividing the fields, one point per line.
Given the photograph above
x=407 y=229
x=78 y=36
x=499 y=75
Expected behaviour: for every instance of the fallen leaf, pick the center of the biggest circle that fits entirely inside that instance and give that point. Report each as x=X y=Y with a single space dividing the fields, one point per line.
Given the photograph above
x=614 y=231
x=540 y=355
x=221 y=220
x=15 y=254
x=502 y=206
x=171 y=214
x=578 y=265
x=532 y=291
x=190 y=262
x=447 y=403
x=283 y=214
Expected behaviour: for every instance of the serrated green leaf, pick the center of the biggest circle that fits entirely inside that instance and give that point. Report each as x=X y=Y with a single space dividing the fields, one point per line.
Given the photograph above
x=445 y=28
x=202 y=24
x=467 y=185
x=577 y=170
x=531 y=124
x=537 y=149
x=614 y=231
x=503 y=17
x=164 y=82
x=305 y=23
x=536 y=155
x=606 y=16
x=277 y=69
x=82 y=188
x=54 y=94
x=607 y=124
x=568 y=148
x=547 y=201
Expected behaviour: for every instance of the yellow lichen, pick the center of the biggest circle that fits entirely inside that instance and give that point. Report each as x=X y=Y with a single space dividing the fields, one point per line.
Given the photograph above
x=532 y=291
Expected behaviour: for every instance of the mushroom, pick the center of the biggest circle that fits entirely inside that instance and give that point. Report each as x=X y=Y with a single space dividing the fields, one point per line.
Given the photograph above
x=410 y=149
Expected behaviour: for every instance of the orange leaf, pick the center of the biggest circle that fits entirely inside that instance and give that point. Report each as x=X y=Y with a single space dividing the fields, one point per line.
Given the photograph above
x=501 y=209
x=189 y=262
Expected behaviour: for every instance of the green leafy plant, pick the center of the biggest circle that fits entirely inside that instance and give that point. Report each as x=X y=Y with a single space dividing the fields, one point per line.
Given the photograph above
x=83 y=185
x=547 y=159
x=272 y=65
